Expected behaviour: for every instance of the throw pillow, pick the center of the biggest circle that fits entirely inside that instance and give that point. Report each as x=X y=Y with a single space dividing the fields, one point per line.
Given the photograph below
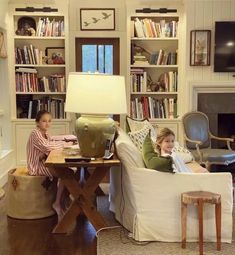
x=135 y=125
x=153 y=160
x=183 y=153
x=138 y=137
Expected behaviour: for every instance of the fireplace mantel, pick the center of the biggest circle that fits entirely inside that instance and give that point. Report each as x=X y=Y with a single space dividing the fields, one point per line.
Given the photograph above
x=196 y=87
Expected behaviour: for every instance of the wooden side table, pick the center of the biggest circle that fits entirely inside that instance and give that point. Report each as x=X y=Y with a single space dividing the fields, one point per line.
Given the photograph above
x=83 y=193
x=199 y=198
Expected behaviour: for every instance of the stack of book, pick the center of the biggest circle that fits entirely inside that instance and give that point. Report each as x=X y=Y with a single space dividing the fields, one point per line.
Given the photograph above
x=140 y=59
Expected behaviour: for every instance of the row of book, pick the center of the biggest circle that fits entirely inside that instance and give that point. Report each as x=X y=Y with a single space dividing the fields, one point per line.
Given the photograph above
x=147 y=28
x=138 y=80
x=167 y=81
x=149 y=107
x=29 y=81
x=29 y=55
x=54 y=105
x=47 y=27
x=162 y=57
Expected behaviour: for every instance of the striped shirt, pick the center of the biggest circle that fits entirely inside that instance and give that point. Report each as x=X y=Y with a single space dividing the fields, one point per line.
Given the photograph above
x=38 y=148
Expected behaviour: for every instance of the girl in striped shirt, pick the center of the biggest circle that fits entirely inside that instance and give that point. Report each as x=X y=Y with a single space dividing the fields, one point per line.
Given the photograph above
x=38 y=148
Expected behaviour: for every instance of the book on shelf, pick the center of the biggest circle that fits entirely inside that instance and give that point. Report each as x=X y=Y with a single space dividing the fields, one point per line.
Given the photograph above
x=148 y=28
x=168 y=81
x=139 y=31
x=138 y=80
x=26 y=70
x=150 y=107
x=50 y=28
x=140 y=62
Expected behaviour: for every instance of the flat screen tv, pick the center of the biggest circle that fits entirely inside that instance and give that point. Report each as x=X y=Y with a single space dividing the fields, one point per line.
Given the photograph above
x=224 y=58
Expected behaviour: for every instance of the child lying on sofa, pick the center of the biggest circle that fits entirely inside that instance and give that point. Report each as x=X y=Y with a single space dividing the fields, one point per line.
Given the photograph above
x=165 y=159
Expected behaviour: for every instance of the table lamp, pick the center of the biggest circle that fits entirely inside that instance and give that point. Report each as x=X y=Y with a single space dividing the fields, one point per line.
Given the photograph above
x=95 y=96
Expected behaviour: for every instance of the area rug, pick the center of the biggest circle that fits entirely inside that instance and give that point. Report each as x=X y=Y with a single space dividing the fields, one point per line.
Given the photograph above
x=117 y=241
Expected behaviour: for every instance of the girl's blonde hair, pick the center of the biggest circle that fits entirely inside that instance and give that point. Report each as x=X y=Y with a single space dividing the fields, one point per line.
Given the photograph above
x=161 y=136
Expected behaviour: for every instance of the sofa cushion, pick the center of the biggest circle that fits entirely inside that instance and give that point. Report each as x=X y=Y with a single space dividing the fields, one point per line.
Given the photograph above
x=136 y=125
x=153 y=160
x=127 y=152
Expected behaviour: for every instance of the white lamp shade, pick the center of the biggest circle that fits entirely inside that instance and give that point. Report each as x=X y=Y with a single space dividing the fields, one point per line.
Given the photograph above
x=96 y=94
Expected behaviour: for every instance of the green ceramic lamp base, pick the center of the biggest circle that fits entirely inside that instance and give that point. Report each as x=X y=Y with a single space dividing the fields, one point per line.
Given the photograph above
x=93 y=132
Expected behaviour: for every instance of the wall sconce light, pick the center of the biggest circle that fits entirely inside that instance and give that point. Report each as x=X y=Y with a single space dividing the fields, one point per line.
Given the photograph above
x=32 y=9
x=160 y=10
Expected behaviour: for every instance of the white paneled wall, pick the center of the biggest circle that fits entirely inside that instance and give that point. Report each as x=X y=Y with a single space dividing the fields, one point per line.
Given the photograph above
x=202 y=14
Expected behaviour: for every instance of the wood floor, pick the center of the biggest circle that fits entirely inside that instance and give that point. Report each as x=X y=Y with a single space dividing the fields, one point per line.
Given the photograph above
x=34 y=237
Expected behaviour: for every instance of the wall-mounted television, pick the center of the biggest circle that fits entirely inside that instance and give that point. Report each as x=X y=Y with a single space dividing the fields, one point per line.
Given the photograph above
x=224 y=57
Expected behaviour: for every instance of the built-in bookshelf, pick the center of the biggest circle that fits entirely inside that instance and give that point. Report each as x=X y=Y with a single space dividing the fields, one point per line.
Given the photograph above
x=38 y=68
x=154 y=80
x=39 y=64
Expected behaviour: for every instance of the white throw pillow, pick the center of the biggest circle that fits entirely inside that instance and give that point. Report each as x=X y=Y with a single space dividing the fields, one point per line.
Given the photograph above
x=138 y=137
x=182 y=152
x=136 y=125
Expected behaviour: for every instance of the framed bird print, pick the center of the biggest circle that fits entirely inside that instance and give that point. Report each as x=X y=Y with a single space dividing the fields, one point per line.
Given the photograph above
x=97 y=19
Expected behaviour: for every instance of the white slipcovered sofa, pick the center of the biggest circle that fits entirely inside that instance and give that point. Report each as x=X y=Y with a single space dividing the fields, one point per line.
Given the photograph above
x=148 y=202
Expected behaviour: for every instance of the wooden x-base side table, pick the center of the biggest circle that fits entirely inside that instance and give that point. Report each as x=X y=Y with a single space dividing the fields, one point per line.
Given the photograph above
x=83 y=193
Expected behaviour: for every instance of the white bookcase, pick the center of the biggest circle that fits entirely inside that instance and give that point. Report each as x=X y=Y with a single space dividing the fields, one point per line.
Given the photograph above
x=38 y=73
x=154 y=71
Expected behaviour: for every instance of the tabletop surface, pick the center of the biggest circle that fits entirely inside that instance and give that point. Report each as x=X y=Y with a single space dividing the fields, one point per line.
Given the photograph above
x=57 y=158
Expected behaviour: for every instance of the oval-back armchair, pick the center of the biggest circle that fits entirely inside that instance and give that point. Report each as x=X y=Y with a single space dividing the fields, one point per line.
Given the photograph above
x=198 y=137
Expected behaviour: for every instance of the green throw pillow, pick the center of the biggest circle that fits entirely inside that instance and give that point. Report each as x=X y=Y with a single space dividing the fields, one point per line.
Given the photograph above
x=153 y=160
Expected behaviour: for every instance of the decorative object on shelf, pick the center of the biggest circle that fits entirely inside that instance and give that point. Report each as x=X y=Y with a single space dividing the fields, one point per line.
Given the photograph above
x=152 y=85
x=95 y=96
x=160 y=10
x=32 y=9
x=97 y=19
x=200 y=43
x=55 y=55
x=3 y=51
x=26 y=26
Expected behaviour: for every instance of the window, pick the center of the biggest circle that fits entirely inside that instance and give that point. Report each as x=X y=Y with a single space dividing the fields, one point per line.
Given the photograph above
x=97 y=55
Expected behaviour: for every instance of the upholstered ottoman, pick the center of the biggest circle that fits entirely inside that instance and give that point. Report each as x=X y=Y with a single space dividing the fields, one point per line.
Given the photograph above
x=29 y=197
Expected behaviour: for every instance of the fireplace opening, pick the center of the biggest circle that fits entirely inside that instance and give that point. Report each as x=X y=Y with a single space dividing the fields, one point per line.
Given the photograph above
x=226 y=127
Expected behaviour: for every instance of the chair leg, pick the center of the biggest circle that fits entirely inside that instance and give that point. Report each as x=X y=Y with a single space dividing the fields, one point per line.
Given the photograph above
x=200 y=220
x=183 y=224
x=218 y=225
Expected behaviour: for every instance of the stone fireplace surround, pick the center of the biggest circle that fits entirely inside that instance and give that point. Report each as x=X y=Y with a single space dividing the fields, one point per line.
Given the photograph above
x=217 y=100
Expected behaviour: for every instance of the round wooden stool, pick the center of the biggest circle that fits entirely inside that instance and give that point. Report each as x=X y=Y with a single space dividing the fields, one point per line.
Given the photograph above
x=199 y=198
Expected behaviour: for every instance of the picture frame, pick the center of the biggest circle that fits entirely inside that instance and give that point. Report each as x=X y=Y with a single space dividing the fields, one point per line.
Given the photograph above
x=97 y=19
x=55 y=55
x=200 y=46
